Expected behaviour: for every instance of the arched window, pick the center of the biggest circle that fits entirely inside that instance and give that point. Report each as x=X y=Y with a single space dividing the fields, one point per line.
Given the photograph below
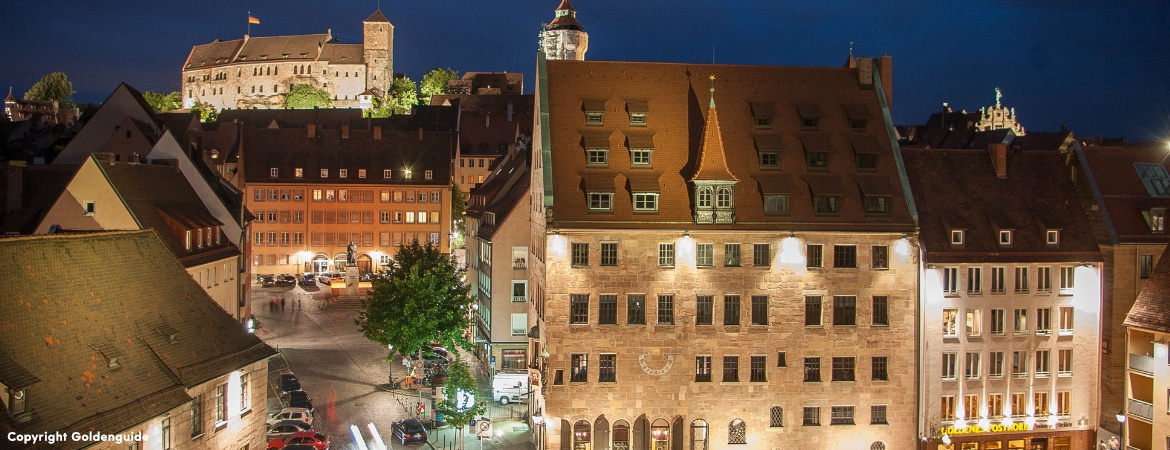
x=704 y=197
x=699 y=434
x=723 y=198
x=581 y=435
x=878 y=445
x=737 y=432
x=660 y=434
x=621 y=435
x=776 y=416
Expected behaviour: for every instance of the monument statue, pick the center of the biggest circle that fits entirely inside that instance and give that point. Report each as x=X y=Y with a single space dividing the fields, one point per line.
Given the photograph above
x=351 y=254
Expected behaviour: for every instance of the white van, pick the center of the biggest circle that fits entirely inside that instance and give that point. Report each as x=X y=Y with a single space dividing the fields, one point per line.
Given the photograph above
x=510 y=386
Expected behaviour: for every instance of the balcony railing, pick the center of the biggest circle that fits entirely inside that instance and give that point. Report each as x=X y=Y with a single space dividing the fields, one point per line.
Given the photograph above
x=519 y=298
x=1143 y=364
x=1142 y=410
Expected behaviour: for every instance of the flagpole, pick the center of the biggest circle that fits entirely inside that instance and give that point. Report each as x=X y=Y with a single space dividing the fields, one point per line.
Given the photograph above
x=249 y=31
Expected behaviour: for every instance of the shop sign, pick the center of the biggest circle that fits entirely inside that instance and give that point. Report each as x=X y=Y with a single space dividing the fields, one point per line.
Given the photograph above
x=976 y=429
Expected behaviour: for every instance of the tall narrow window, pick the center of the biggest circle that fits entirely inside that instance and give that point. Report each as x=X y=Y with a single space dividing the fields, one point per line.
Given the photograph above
x=221 y=403
x=730 y=369
x=607 y=309
x=997 y=322
x=881 y=311
x=608 y=372
x=997 y=282
x=950 y=280
x=879 y=370
x=759 y=310
x=636 y=309
x=973 y=364
x=949 y=361
x=704 y=309
x=580 y=254
x=579 y=372
x=1042 y=363
x=578 y=308
x=1021 y=280
x=815 y=254
x=666 y=255
x=881 y=256
x=1064 y=362
x=1066 y=279
x=1066 y=320
x=759 y=369
x=665 y=309
x=974 y=280
x=995 y=364
x=1044 y=279
x=1043 y=321
x=761 y=255
x=197 y=415
x=609 y=254
x=731 y=309
x=1147 y=266
x=812 y=310
x=703 y=368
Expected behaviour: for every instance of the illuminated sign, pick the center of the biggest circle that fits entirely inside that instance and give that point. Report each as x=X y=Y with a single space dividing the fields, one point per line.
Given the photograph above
x=975 y=429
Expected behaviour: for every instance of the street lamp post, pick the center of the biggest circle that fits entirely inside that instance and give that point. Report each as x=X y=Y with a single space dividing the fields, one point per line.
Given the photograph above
x=1121 y=419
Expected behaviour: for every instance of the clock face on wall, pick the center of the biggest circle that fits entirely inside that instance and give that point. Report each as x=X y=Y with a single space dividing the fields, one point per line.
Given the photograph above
x=656 y=372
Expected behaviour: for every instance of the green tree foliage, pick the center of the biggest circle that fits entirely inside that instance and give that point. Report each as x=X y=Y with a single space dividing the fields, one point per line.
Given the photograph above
x=207 y=113
x=54 y=86
x=455 y=408
x=403 y=95
x=381 y=108
x=420 y=299
x=435 y=83
x=163 y=102
x=458 y=210
x=303 y=96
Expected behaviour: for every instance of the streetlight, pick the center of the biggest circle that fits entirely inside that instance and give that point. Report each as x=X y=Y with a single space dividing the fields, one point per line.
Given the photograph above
x=1121 y=420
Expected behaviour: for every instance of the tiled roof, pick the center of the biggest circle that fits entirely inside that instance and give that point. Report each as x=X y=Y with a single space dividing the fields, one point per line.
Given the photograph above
x=343 y=54
x=290 y=118
x=1151 y=310
x=377 y=16
x=959 y=189
x=565 y=21
x=1120 y=191
x=288 y=149
x=65 y=304
x=42 y=185
x=712 y=162
x=676 y=96
x=216 y=53
x=274 y=48
x=480 y=136
x=149 y=190
x=502 y=191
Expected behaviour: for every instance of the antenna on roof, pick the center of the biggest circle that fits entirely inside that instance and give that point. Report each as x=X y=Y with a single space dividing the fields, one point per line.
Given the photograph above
x=850 y=48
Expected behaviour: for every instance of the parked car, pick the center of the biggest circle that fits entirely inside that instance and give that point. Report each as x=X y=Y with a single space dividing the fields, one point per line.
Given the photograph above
x=298 y=414
x=311 y=438
x=308 y=279
x=267 y=281
x=289 y=383
x=324 y=279
x=286 y=428
x=409 y=430
x=297 y=399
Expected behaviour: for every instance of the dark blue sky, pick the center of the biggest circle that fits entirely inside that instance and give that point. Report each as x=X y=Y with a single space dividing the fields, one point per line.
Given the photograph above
x=1099 y=66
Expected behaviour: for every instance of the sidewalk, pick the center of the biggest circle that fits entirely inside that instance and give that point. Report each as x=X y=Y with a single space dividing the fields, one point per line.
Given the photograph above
x=510 y=429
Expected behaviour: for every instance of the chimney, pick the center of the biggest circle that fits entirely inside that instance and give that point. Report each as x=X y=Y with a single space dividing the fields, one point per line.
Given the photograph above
x=377 y=133
x=509 y=111
x=14 y=199
x=345 y=131
x=312 y=130
x=865 y=72
x=885 y=66
x=420 y=133
x=133 y=158
x=999 y=159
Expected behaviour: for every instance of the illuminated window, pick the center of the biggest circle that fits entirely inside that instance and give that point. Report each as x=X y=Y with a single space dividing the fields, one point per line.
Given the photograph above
x=947 y=408
x=974 y=323
x=950 y=322
x=579 y=372
x=702 y=368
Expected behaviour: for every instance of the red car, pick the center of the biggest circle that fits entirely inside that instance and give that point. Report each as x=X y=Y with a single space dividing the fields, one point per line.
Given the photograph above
x=317 y=440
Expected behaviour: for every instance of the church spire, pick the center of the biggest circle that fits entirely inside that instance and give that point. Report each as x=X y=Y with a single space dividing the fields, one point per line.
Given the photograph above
x=712 y=161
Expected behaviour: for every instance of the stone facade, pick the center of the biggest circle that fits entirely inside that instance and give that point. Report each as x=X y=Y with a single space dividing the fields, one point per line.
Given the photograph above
x=256 y=72
x=564 y=37
x=656 y=374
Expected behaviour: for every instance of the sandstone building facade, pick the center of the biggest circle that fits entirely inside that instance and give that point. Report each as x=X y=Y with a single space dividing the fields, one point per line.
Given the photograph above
x=256 y=72
x=709 y=277
x=564 y=37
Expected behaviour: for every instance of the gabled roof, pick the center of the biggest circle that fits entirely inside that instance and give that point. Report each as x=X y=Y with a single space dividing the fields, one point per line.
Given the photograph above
x=125 y=102
x=1120 y=191
x=149 y=189
x=66 y=332
x=959 y=189
x=274 y=48
x=342 y=53
x=1151 y=310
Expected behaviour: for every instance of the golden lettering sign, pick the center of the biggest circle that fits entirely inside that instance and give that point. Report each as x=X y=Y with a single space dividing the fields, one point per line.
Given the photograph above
x=995 y=428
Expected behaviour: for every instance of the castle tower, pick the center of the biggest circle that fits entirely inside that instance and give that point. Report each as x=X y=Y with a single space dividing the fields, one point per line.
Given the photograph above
x=378 y=52
x=564 y=37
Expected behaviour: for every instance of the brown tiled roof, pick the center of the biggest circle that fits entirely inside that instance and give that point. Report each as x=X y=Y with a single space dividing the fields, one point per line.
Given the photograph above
x=290 y=118
x=288 y=149
x=567 y=21
x=274 y=48
x=148 y=190
x=377 y=16
x=216 y=53
x=676 y=97
x=342 y=53
x=502 y=191
x=1119 y=190
x=959 y=189
x=1151 y=310
x=65 y=301
x=479 y=136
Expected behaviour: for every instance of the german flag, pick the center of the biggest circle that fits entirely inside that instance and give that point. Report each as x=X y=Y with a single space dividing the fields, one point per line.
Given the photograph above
x=252 y=20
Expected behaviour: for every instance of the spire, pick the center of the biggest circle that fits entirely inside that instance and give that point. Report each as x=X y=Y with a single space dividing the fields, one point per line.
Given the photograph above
x=10 y=98
x=565 y=18
x=712 y=160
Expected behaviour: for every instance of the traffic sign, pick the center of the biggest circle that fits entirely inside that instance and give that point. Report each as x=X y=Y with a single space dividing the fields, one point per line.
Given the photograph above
x=483 y=428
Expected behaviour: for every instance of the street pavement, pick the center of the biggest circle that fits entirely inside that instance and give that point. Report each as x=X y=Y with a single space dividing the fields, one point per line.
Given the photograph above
x=347 y=377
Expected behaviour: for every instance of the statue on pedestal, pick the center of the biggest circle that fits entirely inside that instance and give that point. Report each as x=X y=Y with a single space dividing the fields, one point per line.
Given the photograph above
x=351 y=254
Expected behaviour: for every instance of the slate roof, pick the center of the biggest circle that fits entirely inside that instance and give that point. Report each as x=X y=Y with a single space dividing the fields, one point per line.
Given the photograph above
x=676 y=96
x=1119 y=190
x=1151 y=310
x=65 y=305
x=288 y=149
x=959 y=189
x=149 y=190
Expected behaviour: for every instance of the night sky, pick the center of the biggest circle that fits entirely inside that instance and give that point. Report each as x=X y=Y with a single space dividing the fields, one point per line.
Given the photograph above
x=1101 y=67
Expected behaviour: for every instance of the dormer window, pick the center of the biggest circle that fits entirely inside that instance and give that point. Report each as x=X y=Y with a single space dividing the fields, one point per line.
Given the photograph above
x=324 y=173
x=640 y=157
x=857 y=124
x=361 y=173
x=704 y=196
x=638 y=110
x=428 y=174
x=817 y=160
x=274 y=172
x=876 y=204
x=762 y=115
x=342 y=173
x=723 y=198
x=769 y=160
x=1052 y=237
x=810 y=123
x=600 y=201
x=956 y=237
x=594 y=112
x=199 y=237
x=637 y=119
x=596 y=156
x=1005 y=237
x=187 y=239
x=386 y=174
x=825 y=204
x=645 y=202
x=299 y=172
x=1155 y=219
x=594 y=119
x=810 y=116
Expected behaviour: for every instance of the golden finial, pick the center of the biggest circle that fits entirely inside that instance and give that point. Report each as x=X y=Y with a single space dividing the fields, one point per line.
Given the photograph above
x=712 y=91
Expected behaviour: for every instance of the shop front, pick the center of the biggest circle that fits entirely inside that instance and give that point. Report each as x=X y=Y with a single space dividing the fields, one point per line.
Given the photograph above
x=974 y=438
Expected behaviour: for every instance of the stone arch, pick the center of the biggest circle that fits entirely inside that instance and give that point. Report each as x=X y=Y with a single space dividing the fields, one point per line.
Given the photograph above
x=737 y=432
x=640 y=434
x=621 y=435
x=600 y=433
x=659 y=434
x=699 y=435
x=365 y=264
x=582 y=433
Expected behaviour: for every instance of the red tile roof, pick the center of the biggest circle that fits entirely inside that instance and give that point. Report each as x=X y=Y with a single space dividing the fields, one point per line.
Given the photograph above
x=1119 y=190
x=1151 y=310
x=676 y=114
x=712 y=162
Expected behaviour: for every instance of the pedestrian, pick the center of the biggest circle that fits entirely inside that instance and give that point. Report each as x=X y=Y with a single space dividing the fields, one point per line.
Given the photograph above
x=282 y=300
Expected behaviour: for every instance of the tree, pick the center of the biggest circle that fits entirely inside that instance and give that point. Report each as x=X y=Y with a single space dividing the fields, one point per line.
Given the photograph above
x=403 y=95
x=304 y=96
x=435 y=83
x=54 y=86
x=207 y=113
x=163 y=102
x=421 y=298
x=458 y=210
x=380 y=109
x=460 y=409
